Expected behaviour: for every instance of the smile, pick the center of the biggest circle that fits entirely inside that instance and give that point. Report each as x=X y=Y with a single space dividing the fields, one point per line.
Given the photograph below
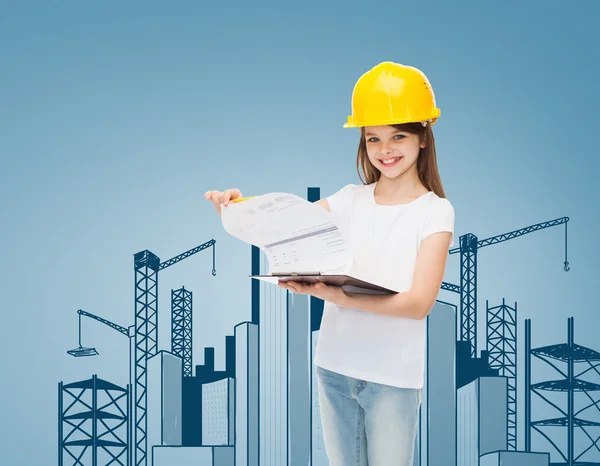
x=390 y=162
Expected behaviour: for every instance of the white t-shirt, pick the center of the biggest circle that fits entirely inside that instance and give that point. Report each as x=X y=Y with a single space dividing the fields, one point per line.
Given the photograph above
x=384 y=241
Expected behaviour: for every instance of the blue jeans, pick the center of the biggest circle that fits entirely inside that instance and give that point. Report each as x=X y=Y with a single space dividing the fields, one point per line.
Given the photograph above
x=366 y=423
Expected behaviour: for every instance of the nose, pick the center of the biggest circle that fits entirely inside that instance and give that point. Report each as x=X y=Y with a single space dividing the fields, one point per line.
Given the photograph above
x=385 y=150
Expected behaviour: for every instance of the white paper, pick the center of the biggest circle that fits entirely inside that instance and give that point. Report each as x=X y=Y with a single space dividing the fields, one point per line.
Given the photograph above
x=296 y=235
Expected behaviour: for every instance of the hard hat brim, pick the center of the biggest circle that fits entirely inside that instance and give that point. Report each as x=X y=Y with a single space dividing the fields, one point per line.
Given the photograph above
x=432 y=119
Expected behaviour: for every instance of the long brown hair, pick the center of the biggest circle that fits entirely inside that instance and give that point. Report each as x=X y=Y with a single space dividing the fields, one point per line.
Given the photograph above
x=426 y=162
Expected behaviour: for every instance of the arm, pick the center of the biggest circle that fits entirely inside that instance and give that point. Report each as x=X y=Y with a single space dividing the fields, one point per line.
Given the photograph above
x=427 y=281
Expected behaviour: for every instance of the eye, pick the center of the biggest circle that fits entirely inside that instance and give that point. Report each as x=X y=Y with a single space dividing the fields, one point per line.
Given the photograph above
x=399 y=136
x=371 y=139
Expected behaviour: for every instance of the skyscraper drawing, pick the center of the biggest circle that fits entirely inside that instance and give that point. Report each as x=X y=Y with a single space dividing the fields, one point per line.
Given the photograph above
x=318 y=453
x=246 y=394
x=436 y=441
x=218 y=412
x=284 y=375
x=482 y=419
x=164 y=399
x=272 y=367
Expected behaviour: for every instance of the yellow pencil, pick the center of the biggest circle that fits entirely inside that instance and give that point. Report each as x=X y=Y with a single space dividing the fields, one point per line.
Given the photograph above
x=241 y=199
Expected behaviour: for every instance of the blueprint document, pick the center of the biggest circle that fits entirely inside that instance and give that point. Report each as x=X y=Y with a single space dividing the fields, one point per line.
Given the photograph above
x=297 y=236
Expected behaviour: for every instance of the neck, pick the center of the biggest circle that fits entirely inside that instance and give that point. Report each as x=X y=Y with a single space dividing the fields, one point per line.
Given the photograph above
x=401 y=187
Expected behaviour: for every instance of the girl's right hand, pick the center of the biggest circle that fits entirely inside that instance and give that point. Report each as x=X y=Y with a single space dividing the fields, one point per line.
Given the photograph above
x=224 y=197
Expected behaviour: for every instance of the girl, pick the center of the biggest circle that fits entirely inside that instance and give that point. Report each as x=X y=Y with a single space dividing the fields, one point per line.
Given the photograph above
x=399 y=225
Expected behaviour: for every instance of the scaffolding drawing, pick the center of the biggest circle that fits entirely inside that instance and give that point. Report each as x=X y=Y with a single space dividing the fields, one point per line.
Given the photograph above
x=93 y=423
x=502 y=351
x=181 y=327
x=579 y=405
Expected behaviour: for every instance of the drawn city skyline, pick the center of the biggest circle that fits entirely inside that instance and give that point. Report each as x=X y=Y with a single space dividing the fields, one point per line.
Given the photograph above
x=263 y=408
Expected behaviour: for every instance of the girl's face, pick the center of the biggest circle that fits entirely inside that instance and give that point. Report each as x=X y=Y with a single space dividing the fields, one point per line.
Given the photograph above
x=391 y=151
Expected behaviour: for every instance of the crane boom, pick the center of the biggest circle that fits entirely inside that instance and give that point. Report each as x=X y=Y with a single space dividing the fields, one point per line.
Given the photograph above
x=450 y=287
x=112 y=325
x=514 y=234
x=183 y=255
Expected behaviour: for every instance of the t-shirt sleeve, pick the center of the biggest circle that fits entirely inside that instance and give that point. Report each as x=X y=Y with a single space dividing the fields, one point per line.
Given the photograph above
x=340 y=200
x=440 y=218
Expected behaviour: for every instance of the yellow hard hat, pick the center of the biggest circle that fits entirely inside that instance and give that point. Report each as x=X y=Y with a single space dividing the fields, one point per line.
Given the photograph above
x=391 y=93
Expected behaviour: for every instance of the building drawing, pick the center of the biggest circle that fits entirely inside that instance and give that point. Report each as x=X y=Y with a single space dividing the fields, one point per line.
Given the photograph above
x=246 y=394
x=273 y=373
x=482 y=419
x=218 y=412
x=436 y=440
x=299 y=376
x=164 y=398
x=514 y=458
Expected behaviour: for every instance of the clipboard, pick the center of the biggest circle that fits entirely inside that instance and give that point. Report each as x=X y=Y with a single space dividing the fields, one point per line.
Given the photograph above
x=346 y=282
x=293 y=232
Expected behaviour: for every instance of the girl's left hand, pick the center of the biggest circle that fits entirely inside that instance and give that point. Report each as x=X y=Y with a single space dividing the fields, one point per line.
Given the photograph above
x=333 y=294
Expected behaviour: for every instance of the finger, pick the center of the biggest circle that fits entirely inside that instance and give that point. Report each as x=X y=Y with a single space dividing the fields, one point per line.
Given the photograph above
x=216 y=203
x=231 y=194
x=226 y=196
x=295 y=287
x=301 y=287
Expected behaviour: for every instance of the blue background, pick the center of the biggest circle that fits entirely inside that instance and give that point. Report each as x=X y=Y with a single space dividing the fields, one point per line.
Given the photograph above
x=115 y=119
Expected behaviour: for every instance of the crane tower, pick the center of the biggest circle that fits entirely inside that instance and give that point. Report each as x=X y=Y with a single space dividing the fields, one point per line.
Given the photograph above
x=146 y=268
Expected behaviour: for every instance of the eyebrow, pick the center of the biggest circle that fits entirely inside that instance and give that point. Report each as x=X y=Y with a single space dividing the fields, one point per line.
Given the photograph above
x=393 y=132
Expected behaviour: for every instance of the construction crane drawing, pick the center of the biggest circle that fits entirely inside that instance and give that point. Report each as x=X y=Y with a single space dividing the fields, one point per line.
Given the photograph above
x=94 y=440
x=468 y=248
x=145 y=334
x=82 y=351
